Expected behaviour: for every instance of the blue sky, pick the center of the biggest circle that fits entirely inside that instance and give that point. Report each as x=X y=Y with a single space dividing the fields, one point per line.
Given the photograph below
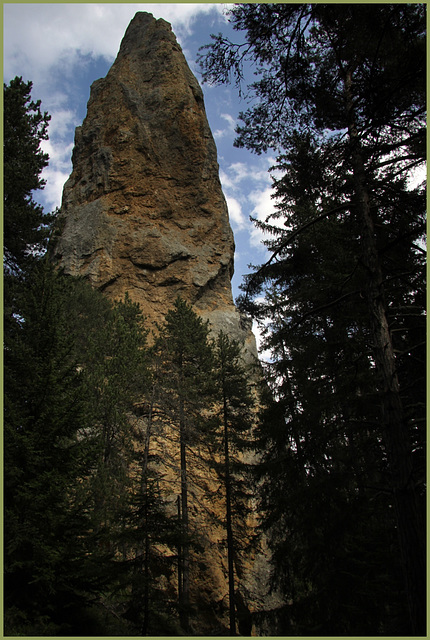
x=63 y=48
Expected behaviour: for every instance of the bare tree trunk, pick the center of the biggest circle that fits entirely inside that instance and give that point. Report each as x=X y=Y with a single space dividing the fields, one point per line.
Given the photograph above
x=184 y=601
x=145 y=623
x=410 y=527
x=179 y=554
x=229 y=525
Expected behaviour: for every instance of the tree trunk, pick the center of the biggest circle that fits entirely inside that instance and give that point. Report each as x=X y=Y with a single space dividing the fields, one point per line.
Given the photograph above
x=229 y=525
x=179 y=553
x=145 y=623
x=410 y=531
x=185 y=556
x=144 y=489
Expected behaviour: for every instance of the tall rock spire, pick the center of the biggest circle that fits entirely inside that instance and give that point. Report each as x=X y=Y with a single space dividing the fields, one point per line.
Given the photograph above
x=143 y=210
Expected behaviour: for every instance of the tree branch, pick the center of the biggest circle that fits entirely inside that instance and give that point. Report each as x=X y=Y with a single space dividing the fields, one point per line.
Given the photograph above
x=295 y=233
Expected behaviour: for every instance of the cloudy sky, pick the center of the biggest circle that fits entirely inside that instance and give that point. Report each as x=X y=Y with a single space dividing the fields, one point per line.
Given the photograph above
x=63 y=48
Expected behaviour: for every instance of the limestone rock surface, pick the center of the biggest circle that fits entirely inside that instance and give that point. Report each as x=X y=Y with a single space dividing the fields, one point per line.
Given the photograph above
x=143 y=212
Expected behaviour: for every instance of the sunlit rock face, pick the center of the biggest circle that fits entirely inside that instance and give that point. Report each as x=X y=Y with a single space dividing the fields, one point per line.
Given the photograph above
x=143 y=212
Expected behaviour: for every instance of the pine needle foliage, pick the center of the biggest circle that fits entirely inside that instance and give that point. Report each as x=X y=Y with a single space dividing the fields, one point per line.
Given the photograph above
x=339 y=95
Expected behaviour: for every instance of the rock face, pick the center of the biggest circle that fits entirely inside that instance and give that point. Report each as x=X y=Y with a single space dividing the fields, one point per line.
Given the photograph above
x=143 y=212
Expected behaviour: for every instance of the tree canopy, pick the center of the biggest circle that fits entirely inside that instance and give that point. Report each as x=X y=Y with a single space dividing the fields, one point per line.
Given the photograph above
x=26 y=227
x=112 y=446
x=340 y=96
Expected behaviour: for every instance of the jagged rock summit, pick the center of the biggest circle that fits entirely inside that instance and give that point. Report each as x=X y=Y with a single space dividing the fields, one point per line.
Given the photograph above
x=143 y=210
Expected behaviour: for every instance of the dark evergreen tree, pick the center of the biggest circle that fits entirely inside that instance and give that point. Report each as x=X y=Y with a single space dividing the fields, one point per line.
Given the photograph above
x=116 y=375
x=48 y=573
x=148 y=530
x=26 y=227
x=341 y=98
x=149 y=533
x=74 y=367
x=185 y=361
x=235 y=405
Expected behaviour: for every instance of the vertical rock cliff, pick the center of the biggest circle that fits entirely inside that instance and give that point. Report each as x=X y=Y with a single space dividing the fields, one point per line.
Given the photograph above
x=143 y=212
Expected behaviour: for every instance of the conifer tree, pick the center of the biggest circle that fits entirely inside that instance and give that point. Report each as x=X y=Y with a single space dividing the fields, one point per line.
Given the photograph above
x=185 y=357
x=74 y=367
x=341 y=99
x=48 y=573
x=26 y=227
x=116 y=375
x=233 y=397
x=150 y=530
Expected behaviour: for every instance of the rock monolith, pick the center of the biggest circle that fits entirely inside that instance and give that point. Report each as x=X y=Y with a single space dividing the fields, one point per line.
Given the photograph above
x=143 y=212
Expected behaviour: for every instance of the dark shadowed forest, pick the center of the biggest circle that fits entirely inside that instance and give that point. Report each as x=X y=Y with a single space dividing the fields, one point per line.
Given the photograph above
x=323 y=444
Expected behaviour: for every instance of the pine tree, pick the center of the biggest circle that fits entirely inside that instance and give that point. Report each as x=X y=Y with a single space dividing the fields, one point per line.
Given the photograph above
x=74 y=368
x=26 y=227
x=116 y=375
x=341 y=99
x=150 y=531
x=233 y=396
x=45 y=416
x=185 y=361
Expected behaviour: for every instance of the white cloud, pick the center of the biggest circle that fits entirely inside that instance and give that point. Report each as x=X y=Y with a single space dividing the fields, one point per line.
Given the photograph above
x=221 y=133
x=264 y=206
x=236 y=173
x=230 y=120
x=226 y=181
x=240 y=171
x=51 y=195
x=263 y=203
x=59 y=154
x=235 y=212
x=248 y=185
x=56 y=173
x=58 y=99
x=62 y=121
x=39 y=37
